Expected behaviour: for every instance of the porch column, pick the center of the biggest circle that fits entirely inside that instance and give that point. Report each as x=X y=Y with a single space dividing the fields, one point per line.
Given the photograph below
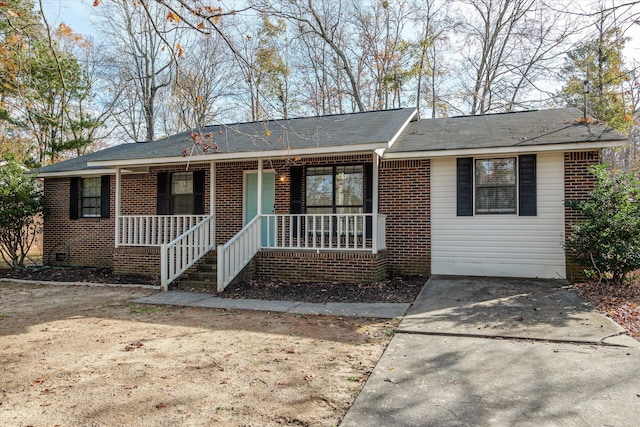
x=118 y=196
x=374 y=203
x=212 y=201
x=259 y=208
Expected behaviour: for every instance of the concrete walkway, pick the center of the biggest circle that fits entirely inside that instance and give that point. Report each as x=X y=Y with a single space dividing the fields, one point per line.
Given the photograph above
x=495 y=351
x=195 y=299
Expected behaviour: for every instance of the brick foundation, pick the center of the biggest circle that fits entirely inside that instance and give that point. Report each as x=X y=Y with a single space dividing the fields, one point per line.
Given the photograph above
x=578 y=182
x=323 y=266
x=137 y=260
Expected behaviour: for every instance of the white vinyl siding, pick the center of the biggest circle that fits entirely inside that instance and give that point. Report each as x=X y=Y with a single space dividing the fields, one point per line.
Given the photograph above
x=499 y=245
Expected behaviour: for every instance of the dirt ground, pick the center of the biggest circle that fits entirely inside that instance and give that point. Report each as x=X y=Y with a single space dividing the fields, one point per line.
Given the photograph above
x=86 y=356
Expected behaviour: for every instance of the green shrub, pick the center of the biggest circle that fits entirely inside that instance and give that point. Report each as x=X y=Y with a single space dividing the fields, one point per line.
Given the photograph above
x=609 y=237
x=21 y=205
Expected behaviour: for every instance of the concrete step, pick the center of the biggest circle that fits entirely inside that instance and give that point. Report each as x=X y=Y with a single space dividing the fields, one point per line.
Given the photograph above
x=201 y=276
x=206 y=267
x=195 y=285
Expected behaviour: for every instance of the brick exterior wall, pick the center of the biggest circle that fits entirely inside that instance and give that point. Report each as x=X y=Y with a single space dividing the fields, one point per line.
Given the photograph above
x=137 y=260
x=323 y=267
x=89 y=241
x=578 y=182
x=229 y=202
x=405 y=198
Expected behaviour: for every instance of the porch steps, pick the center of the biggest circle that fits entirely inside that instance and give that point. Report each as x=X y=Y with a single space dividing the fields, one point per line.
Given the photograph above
x=201 y=277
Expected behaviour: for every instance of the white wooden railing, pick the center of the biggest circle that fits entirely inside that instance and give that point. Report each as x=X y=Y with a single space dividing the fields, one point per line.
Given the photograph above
x=153 y=230
x=332 y=232
x=185 y=250
x=234 y=255
x=328 y=232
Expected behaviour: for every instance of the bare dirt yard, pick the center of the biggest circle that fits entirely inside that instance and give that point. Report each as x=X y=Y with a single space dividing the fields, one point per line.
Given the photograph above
x=87 y=356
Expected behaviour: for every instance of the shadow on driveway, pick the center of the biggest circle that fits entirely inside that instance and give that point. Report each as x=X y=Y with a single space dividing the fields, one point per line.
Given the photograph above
x=508 y=308
x=495 y=351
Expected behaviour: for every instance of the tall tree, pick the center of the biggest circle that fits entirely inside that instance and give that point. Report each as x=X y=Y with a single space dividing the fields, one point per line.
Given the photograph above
x=325 y=20
x=433 y=23
x=143 y=46
x=45 y=86
x=205 y=76
x=509 y=45
x=599 y=62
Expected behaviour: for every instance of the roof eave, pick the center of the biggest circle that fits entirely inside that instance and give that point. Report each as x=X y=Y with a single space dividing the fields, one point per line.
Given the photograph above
x=80 y=172
x=250 y=155
x=573 y=146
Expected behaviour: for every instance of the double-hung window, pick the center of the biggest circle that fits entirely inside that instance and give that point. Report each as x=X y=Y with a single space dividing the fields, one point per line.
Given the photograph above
x=494 y=186
x=91 y=197
x=182 y=193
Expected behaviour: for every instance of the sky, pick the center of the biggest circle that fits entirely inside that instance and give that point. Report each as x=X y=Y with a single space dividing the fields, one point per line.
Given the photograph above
x=74 y=13
x=77 y=14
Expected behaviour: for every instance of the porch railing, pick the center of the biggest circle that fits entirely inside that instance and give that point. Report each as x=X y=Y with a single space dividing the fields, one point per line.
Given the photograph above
x=234 y=255
x=185 y=250
x=333 y=232
x=153 y=230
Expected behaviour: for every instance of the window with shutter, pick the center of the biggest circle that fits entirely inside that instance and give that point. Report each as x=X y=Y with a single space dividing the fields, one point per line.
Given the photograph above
x=496 y=186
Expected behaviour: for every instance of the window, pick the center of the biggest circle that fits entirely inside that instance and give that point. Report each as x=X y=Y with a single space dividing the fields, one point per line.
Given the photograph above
x=91 y=197
x=182 y=193
x=335 y=189
x=495 y=186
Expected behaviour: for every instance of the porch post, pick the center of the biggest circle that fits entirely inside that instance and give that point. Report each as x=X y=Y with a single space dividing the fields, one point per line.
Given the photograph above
x=374 y=203
x=118 y=196
x=259 y=208
x=212 y=202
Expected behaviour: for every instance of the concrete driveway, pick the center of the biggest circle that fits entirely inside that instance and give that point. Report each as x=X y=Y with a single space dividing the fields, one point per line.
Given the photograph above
x=496 y=351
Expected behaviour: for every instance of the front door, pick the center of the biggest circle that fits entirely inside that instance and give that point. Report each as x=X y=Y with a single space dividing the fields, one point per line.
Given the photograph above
x=268 y=200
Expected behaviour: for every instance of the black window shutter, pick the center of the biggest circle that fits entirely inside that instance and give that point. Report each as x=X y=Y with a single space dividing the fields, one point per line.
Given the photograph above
x=295 y=190
x=162 y=195
x=527 y=185
x=74 y=197
x=105 y=196
x=368 y=196
x=198 y=192
x=464 y=186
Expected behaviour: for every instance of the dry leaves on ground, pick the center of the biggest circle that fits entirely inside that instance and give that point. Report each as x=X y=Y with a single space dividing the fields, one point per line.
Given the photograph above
x=620 y=303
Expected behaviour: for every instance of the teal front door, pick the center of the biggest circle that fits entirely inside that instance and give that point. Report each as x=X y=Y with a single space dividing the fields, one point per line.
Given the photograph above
x=268 y=201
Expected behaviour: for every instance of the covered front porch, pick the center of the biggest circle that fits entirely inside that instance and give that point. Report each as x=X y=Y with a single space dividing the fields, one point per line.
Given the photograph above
x=181 y=240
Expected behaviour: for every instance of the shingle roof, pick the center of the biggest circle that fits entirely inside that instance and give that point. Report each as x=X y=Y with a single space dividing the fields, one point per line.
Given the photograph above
x=356 y=129
x=527 y=128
